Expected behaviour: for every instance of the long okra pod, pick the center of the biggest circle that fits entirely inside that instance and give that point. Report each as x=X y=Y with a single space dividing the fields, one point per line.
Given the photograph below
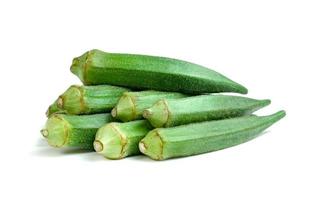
x=132 y=104
x=73 y=130
x=118 y=140
x=150 y=72
x=197 y=138
x=174 y=112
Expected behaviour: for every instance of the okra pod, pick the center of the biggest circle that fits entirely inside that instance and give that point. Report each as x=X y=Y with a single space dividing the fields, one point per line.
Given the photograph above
x=203 y=137
x=73 y=130
x=89 y=99
x=174 y=112
x=118 y=140
x=150 y=72
x=54 y=109
x=132 y=104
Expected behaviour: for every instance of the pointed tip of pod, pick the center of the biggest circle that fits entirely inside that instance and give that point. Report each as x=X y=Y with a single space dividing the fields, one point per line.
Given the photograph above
x=278 y=115
x=110 y=142
x=243 y=90
x=56 y=131
x=266 y=102
x=233 y=86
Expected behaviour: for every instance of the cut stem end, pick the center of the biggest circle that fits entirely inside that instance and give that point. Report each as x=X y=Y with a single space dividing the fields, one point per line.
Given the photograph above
x=147 y=113
x=142 y=147
x=98 y=146
x=114 y=112
x=60 y=102
x=45 y=133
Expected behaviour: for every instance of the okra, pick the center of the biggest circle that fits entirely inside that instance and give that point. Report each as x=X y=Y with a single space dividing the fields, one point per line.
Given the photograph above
x=89 y=99
x=174 y=112
x=132 y=104
x=150 y=72
x=203 y=137
x=73 y=130
x=54 y=109
x=118 y=140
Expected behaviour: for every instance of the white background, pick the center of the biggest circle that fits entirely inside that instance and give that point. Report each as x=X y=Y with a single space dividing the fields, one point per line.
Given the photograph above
x=269 y=46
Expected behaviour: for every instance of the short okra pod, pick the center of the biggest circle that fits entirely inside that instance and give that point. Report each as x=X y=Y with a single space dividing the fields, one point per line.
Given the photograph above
x=73 y=130
x=89 y=99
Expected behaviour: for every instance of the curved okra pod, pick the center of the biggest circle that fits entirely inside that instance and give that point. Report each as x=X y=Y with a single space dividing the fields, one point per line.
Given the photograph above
x=132 y=104
x=203 y=137
x=118 y=140
x=73 y=130
x=150 y=72
x=174 y=112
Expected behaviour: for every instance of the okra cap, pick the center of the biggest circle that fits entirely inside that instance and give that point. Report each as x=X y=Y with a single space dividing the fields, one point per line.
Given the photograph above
x=110 y=142
x=158 y=114
x=56 y=131
x=125 y=109
x=152 y=145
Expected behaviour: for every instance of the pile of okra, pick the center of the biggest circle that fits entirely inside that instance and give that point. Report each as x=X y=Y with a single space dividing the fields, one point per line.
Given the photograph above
x=160 y=107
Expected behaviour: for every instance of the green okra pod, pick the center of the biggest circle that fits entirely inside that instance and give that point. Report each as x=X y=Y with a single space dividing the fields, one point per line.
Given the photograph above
x=150 y=72
x=54 y=109
x=174 y=112
x=73 y=130
x=132 y=104
x=88 y=99
x=118 y=140
x=203 y=137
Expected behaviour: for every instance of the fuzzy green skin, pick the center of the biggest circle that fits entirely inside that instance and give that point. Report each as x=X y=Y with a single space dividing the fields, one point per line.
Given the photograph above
x=90 y=99
x=74 y=130
x=150 y=72
x=132 y=104
x=174 y=112
x=54 y=109
x=198 y=138
x=118 y=140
